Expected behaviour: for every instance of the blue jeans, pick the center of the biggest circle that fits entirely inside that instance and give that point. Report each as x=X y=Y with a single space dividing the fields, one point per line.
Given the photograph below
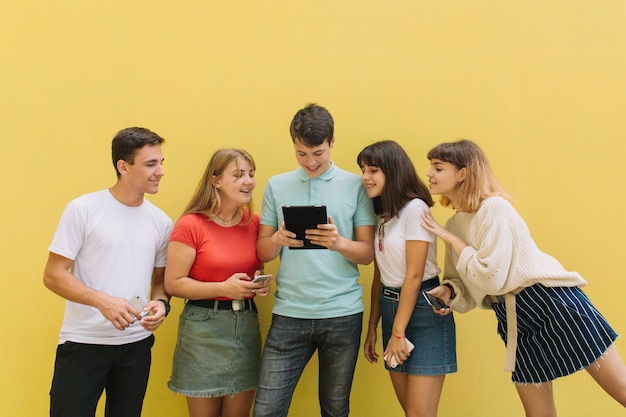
x=289 y=346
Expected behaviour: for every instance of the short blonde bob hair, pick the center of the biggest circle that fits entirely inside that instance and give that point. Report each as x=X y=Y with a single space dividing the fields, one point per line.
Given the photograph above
x=479 y=183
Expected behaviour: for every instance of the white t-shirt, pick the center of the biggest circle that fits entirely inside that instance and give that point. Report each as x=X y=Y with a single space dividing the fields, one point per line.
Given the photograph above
x=405 y=226
x=115 y=249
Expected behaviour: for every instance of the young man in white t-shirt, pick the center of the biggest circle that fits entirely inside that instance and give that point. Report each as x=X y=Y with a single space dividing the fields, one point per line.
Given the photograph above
x=109 y=248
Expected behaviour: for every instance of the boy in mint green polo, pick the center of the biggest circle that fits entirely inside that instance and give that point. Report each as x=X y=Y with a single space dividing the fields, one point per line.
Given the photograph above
x=318 y=302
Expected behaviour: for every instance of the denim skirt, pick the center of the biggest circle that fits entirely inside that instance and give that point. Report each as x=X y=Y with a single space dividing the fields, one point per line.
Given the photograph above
x=433 y=335
x=218 y=352
x=559 y=332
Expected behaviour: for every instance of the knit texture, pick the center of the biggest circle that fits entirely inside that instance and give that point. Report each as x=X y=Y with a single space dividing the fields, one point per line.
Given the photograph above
x=501 y=257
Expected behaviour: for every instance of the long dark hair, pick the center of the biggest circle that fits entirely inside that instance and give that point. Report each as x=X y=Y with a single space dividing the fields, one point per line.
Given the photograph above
x=401 y=181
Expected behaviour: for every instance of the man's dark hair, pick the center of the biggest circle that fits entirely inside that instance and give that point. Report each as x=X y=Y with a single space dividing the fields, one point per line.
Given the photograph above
x=312 y=125
x=128 y=141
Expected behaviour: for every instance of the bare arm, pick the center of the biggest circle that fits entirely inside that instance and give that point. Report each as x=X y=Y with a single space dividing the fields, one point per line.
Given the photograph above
x=153 y=321
x=271 y=240
x=180 y=258
x=58 y=279
x=416 y=253
x=369 y=348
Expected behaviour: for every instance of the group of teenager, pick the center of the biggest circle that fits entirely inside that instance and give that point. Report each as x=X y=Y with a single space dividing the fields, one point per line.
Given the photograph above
x=113 y=246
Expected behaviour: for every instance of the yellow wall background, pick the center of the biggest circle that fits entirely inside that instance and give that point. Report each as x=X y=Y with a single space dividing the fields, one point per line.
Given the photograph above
x=539 y=84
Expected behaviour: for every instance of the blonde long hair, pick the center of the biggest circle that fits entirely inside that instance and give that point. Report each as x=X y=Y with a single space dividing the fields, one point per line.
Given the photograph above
x=479 y=183
x=206 y=198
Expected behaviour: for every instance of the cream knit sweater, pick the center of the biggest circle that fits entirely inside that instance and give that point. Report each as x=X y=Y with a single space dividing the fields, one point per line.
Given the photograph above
x=501 y=257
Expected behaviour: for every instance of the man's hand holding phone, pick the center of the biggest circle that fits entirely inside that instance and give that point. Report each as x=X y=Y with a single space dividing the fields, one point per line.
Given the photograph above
x=138 y=304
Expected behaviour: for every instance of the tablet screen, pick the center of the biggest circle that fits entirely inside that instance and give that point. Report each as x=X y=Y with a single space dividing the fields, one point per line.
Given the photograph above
x=300 y=218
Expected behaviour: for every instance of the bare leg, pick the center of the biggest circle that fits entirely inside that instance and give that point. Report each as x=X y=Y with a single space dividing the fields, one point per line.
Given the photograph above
x=418 y=394
x=204 y=407
x=610 y=373
x=238 y=405
x=399 y=382
x=538 y=401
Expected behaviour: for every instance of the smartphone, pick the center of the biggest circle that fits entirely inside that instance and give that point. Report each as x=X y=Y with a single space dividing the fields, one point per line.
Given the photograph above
x=138 y=304
x=261 y=278
x=409 y=346
x=434 y=301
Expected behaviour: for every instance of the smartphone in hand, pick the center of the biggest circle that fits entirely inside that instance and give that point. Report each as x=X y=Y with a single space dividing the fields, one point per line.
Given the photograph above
x=434 y=301
x=393 y=362
x=261 y=278
x=138 y=304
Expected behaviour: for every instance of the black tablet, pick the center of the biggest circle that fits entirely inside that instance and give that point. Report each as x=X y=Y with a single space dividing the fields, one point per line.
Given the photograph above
x=300 y=218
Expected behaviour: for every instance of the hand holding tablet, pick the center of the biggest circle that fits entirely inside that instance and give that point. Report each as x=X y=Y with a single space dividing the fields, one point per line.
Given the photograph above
x=300 y=218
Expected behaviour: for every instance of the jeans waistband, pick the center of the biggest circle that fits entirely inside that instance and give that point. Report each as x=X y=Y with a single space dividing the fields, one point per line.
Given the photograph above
x=235 y=305
x=394 y=293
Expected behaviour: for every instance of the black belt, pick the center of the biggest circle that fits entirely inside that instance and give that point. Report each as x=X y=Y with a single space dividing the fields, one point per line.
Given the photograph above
x=246 y=304
x=394 y=293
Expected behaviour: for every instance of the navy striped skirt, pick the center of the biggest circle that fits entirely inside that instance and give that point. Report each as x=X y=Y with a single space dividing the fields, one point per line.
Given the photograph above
x=559 y=332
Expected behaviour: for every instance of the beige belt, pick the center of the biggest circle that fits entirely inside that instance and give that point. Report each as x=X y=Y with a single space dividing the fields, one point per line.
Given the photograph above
x=511 y=327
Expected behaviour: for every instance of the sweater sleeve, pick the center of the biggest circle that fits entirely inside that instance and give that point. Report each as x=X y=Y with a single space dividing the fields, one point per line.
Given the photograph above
x=463 y=301
x=486 y=261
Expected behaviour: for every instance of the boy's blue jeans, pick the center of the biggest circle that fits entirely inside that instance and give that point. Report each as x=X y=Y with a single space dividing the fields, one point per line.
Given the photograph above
x=288 y=348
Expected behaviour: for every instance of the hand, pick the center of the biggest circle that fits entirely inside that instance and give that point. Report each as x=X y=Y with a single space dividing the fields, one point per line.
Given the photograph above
x=156 y=316
x=326 y=235
x=261 y=288
x=369 y=348
x=443 y=293
x=284 y=237
x=238 y=286
x=429 y=223
x=396 y=348
x=118 y=311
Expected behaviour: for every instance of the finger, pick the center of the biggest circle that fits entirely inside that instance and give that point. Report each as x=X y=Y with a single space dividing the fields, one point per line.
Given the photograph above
x=122 y=323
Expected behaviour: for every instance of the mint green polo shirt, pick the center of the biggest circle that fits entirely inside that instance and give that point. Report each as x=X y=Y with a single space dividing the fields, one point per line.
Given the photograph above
x=318 y=283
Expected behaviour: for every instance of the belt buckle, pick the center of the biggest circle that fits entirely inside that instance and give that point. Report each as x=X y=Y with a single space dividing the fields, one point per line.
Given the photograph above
x=238 y=305
x=391 y=294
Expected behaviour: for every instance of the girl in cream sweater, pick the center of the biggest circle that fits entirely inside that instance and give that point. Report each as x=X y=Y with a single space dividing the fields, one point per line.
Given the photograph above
x=550 y=327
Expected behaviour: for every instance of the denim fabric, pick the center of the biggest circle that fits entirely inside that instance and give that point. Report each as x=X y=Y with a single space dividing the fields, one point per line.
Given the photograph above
x=218 y=352
x=289 y=346
x=433 y=335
